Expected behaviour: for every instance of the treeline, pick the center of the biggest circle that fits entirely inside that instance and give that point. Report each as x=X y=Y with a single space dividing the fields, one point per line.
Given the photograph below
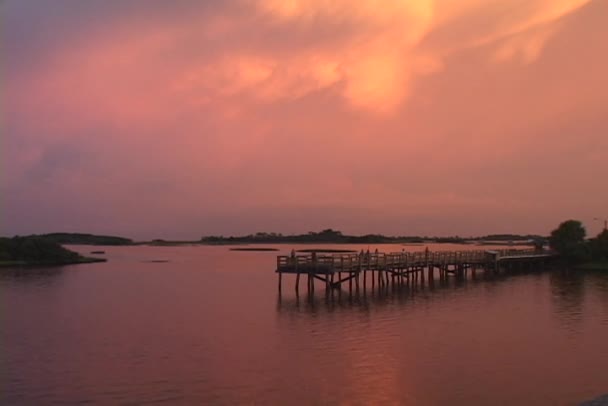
x=325 y=236
x=336 y=237
x=570 y=241
x=86 y=239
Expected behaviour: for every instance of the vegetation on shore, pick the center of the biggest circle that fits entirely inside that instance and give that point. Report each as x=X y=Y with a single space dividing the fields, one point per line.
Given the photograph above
x=327 y=236
x=86 y=239
x=330 y=236
x=569 y=241
x=36 y=250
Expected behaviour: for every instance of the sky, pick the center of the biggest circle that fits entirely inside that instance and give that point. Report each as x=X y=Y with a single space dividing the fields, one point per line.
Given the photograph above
x=157 y=119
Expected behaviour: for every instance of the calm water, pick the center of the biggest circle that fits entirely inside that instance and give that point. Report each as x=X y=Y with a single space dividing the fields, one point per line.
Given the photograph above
x=208 y=327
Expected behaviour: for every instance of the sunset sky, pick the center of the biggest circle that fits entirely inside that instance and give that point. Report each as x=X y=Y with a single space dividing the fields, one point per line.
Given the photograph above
x=177 y=119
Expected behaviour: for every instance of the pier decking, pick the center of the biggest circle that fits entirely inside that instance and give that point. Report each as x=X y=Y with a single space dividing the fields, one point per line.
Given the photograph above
x=398 y=267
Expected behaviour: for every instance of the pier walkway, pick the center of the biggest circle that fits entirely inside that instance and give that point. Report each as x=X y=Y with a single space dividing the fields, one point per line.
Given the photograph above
x=400 y=267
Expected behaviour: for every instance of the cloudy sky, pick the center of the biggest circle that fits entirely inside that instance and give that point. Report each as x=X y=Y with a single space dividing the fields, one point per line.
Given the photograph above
x=176 y=119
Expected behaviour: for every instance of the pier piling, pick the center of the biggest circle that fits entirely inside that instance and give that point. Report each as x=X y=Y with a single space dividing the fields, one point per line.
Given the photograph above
x=395 y=269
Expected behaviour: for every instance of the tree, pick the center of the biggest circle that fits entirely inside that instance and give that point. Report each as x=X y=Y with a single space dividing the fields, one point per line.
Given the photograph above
x=599 y=246
x=569 y=241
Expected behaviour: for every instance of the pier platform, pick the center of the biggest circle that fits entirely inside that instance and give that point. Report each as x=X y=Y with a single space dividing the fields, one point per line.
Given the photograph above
x=399 y=267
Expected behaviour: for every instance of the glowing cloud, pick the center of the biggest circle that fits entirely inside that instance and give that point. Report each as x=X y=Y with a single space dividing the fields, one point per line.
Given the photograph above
x=369 y=115
x=383 y=50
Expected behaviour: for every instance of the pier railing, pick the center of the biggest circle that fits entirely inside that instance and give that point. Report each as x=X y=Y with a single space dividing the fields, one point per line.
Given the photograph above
x=327 y=263
x=397 y=267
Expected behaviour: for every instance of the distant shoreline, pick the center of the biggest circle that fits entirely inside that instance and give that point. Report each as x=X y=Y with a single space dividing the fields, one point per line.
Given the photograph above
x=255 y=243
x=328 y=236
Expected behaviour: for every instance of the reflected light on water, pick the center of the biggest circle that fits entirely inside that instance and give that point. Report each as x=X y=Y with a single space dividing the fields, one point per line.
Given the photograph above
x=208 y=327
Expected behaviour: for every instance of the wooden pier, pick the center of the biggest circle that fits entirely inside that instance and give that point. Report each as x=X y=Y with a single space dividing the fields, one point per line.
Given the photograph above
x=382 y=269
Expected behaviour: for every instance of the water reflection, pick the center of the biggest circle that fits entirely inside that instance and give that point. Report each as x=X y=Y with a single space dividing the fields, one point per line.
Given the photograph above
x=37 y=276
x=384 y=332
x=208 y=328
x=322 y=300
x=568 y=296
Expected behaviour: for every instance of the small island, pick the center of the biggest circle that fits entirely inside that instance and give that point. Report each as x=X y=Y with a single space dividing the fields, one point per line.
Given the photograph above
x=38 y=251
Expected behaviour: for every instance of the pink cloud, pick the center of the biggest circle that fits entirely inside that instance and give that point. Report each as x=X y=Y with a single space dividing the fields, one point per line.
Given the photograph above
x=266 y=110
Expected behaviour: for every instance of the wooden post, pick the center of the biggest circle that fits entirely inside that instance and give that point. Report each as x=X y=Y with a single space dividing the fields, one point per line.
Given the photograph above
x=426 y=256
x=373 y=279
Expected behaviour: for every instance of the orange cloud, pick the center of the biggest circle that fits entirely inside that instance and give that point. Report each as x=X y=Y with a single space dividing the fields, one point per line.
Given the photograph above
x=378 y=62
x=379 y=53
x=403 y=109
